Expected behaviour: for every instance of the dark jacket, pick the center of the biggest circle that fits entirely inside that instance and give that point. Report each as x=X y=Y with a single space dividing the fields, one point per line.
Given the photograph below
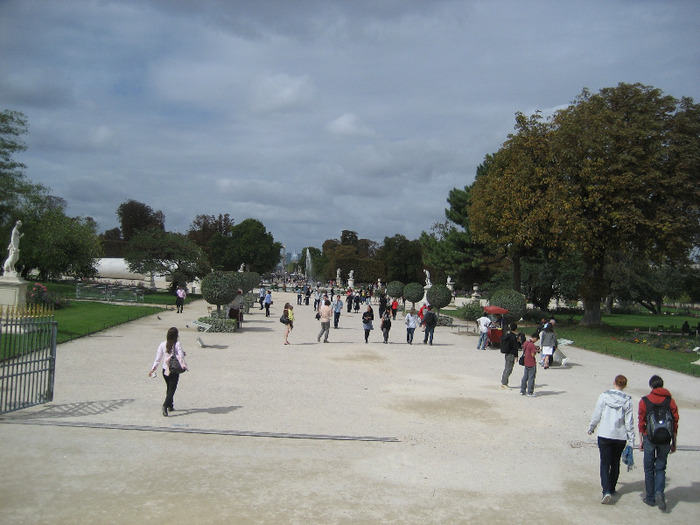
x=509 y=344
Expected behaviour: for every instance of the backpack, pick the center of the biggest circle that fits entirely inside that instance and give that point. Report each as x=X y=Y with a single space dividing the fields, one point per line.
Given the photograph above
x=659 y=421
x=430 y=319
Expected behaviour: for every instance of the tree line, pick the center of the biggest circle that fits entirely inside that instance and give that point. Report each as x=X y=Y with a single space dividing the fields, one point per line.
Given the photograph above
x=599 y=201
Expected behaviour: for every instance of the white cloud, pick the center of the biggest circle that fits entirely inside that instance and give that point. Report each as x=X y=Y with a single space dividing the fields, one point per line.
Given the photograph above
x=349 y=124
x=281 y=92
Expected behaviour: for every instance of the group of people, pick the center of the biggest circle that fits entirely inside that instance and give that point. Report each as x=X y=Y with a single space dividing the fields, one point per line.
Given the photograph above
x=613 y=414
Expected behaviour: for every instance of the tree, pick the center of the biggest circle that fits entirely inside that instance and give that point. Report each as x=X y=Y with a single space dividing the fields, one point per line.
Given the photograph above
x=60 y=245
x=628 y=163
x=511 y=195
x=18 y=197
x=450 y=248
x=135 y=216
x=348 y=238
x=165 y=253
x=219 y=288
x=204 y=227
x=403 y=259
x=249 y=243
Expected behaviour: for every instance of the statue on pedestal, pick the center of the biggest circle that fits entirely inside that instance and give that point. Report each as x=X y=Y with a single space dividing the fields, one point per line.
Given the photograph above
x=13 y=249
x=428 y=282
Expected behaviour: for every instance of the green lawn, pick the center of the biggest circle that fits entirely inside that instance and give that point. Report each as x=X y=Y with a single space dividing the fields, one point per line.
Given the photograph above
x=164 y=298
x=82 y=318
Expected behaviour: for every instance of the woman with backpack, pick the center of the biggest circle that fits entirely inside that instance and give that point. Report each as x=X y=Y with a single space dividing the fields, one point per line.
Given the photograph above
x=367 y=318
x=614 y=417
x=173 y=365
x=289 y=325
x=386 y=325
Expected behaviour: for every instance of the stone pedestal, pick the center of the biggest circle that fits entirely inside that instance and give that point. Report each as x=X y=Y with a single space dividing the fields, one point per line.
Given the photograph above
x=13 y=290
x=425 y=293
x=351 y=283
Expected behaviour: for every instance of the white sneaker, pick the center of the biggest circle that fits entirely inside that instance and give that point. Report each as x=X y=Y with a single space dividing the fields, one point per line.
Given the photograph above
x=532 y=395
x=606 y=499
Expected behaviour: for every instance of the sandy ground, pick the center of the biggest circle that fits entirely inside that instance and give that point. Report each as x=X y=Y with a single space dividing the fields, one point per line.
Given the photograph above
x=343 y=432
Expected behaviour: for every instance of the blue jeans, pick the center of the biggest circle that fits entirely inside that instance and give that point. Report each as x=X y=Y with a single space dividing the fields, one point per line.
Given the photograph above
x=610 y=452
x=655 y=457
x=528 y=380
x=481 y=345
x=409 y=334
x=429 y=330
x=336 y=318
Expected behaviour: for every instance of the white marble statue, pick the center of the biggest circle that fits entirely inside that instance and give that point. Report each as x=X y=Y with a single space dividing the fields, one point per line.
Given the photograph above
x=13 y=249
x=351 y=275
x=337 y=275
x=428 y=282
x=242 y=268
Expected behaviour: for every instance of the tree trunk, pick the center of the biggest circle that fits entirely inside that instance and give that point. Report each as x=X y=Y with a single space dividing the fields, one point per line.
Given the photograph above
x=591 y=311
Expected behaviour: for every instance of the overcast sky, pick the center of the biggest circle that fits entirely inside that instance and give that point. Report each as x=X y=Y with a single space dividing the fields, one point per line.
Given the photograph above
x=310 y=116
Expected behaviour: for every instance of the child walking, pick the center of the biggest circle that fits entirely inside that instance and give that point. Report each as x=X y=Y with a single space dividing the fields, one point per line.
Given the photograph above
x=386 y=325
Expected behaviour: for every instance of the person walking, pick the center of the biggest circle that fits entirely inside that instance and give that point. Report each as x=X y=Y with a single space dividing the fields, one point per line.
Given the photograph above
x=411 y=323
x=394 y=309
x=429 y=322
x=483 y=323
x=170 y=349
x=614 y=418
x=509 y=347
x=180 y=295
x=268 y=302
x=289 y=325
x=337 y=309
x=548 y=342
x=658 y=429
x=527 y=384
x=386 y=325
x=261 y=297
x=325 y=313
x=367 y=318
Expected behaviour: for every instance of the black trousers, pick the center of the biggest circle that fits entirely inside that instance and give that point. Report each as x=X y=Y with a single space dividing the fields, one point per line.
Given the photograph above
x=610 y=452
x=171 y=385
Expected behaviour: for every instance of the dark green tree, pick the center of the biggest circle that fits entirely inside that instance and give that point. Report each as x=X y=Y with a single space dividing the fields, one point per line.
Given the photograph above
x=395 y=289
x=403 y=258
x=249 y=243
x=135 y=216
x=164 y=253
x=413 y=292
x=439 y=296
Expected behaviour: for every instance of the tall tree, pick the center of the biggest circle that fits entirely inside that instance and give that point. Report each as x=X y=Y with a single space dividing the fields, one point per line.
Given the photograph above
x=17 y=194
x=627 y=164
x=135 y=216
x=403 y=259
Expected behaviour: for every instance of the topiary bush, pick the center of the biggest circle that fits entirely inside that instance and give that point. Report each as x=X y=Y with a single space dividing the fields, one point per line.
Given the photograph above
x=395 y=289
x=219 y=288
x=511 y=300
x=439 y=296
x=413 y=292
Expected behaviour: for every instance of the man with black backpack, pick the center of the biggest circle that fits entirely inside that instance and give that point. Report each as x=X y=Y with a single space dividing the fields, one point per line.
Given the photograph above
x=658 y=426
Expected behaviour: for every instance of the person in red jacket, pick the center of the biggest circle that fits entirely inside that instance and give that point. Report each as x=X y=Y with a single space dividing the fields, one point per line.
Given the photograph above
x=655 y=455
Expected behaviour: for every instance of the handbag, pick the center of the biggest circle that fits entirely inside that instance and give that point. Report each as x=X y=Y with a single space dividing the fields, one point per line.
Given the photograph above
x=175 y=366
x=318 y=316
x=284 y=319
x=521 y=361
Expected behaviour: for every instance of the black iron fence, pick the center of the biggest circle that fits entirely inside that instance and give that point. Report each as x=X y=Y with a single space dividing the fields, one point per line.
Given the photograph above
x=27 y=356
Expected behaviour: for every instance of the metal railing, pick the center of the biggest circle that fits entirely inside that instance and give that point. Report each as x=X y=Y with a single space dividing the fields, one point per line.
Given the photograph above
x=27 y=356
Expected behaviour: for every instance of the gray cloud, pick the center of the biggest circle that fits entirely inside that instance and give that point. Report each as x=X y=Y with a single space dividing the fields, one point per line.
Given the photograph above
x=312 y=116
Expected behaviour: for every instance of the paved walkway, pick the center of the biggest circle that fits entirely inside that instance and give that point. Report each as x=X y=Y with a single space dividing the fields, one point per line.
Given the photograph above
x=344 y=432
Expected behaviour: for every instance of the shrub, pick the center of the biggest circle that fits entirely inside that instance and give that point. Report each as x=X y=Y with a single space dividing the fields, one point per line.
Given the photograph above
x=470 y=311
x=413 y=292
x=439 y=296
x=219 y=324
x=395 y=289
x=511 y=300
x=39 y=294
x=219 y=288
x=444 y=320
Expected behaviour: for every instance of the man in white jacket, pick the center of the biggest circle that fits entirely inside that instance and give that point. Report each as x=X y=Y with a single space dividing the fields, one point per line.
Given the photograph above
x=614 y=417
